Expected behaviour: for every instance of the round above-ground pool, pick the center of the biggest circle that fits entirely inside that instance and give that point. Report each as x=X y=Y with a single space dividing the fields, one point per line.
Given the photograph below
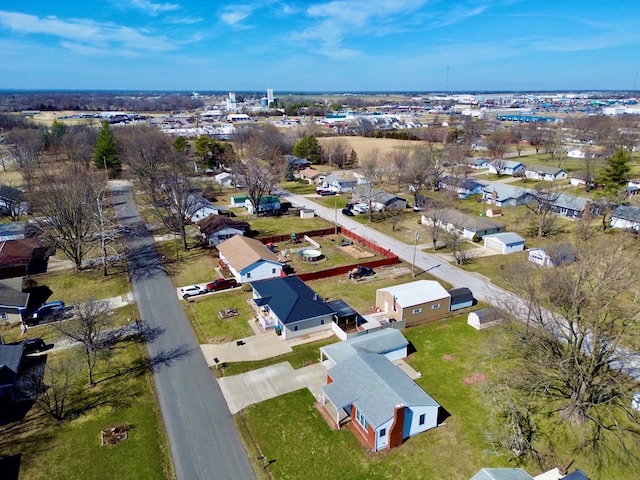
x=310 y=255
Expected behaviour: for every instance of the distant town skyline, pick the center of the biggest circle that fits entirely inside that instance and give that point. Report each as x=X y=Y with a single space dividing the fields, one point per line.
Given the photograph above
x=322 y=46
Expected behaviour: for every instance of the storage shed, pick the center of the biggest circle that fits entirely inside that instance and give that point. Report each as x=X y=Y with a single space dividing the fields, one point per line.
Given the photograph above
x=460 y=298
x=485 y=318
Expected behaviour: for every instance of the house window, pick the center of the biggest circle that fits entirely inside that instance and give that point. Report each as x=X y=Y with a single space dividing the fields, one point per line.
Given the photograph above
x=273 y=270
x=249 y=275
x=383 y=432
x=421 y=421
x=295 y=328
x=4 y=316
x=322 y=322
x=416 y=311
x=361 y=420
x=435 y=307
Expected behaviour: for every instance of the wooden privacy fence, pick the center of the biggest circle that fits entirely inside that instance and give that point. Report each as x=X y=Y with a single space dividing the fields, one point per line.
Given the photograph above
x=389 y=257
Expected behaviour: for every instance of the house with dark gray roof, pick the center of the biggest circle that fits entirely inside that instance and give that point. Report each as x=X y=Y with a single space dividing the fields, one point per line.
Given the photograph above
x=503 y=195
x=381 y=200
x=626 y=217
x=13 y=304
x=10 y=361
x=291 y=307
x=545 y=172
x=462 y=186
x=469 y=226
x=217 y=228
x=386 y=407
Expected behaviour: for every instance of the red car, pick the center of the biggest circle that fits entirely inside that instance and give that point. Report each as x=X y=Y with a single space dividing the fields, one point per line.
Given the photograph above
x=221 y=284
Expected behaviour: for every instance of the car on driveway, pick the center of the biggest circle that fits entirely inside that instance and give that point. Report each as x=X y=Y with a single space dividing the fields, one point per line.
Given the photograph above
x=221 y=284
x=347 y=212
x=192 y=291
x=47 y=310
x=325 y=192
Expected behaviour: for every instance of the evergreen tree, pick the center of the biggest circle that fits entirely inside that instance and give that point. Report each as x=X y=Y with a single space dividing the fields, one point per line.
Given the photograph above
x=309 y=148
x=615 y=174
x=288 y=176
x=106 y=154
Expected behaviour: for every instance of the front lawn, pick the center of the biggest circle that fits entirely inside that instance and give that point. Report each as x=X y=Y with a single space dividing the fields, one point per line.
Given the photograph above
x=285 y=224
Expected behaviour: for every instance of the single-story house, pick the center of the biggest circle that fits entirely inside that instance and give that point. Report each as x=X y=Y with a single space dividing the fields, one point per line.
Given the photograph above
x=238 y=200
x=576 y=153
x=505 y=242
x=578 y=179
x=19 y=258
x=571 y=206
x=506 y=167
x=461 y=298
x=485 y=318
x=626 y=217
x=462 y=186
x=389 y=342
x=385 y=405
x=298 y=163
x=635 y=182
x=267 y=204
x=312 y=176
x=545 y=172
x=10 y=361
x=552 y=255
x=216 y=228
x=224 y=179
x=414 y=302
x=339 y=184
x=291 y=307
x=380 y=199
x=199 y=208
x=503 y=195
x=248 y=259
x=473 y=162
x=13 y=304
x=469 y=226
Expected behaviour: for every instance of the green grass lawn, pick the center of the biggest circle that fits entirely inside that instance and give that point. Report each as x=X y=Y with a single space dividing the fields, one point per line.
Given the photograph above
x=72 y=287
x=299 y=188
x=71 y=449
x=202 y=312
x=291 y=423
x=285 y=224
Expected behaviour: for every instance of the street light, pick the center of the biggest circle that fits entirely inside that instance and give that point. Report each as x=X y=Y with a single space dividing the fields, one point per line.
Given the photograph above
x=415 y=247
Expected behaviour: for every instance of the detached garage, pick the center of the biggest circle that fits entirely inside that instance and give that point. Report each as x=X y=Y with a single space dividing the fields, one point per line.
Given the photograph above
x=507 y=242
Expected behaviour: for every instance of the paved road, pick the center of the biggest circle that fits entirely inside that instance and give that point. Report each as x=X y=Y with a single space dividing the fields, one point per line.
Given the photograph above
x=203 y=439
x=482 y=288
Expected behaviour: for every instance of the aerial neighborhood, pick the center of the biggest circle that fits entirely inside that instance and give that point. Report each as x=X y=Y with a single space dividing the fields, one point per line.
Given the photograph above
x=321 y=286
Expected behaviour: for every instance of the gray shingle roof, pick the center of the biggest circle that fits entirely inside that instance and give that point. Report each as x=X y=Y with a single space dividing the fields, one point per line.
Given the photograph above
x=627 y=212
x=375 y=386
x=290 y=299
x=502 y=474
x=382 y=341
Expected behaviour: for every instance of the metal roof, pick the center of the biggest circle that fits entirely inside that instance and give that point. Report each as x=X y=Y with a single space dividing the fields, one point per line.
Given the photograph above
x=502 y=474
x=416 y=293
x=375 y=386
x=506 y=238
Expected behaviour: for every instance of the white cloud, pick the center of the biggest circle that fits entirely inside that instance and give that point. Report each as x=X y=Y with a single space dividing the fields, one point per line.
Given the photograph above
x=148 y=6
x=74 y=33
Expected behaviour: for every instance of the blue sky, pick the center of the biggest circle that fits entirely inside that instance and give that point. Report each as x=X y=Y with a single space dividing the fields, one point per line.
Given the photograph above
x=320 y=45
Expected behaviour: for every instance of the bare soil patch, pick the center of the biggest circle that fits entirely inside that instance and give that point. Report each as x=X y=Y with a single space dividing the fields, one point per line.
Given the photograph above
x=356 y=252
x=474 y=378
x=447 y=357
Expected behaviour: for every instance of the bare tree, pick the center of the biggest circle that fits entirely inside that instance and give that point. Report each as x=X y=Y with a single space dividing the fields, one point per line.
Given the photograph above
x=66 y=206
x=87 y=326
x=56 y=390
x=371 y=171
x=14 y=204
x=498 y=143
x=336 y=152
x=25 y=145
x=109 y=233
x=146 y=151
x=78 y=143
x=456 y=244
x=518 y=135
x=259 y=178
x=570 y=359
x=541 y=207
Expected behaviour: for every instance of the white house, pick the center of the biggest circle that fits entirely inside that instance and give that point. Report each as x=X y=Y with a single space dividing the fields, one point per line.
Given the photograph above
x=626 y=217
x=506 y=242
x=339 y=184
x=266 y=204
x=199 y=208
x=551 y=256
x=469 y=226
x=545 y=172
x=476 y=163
x=503 y=195
x=224 y=179
x=248 y=260
x=380 y=199
x=216 y=229
x=506 y=167
x=386 y=407
x=576 y=153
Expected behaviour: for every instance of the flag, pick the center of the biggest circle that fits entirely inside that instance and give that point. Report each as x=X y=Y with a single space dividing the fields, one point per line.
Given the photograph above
x=23 y=329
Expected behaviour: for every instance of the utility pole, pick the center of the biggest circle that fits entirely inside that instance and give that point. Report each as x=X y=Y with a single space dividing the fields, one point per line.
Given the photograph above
x=335 y=213
x=415 y=247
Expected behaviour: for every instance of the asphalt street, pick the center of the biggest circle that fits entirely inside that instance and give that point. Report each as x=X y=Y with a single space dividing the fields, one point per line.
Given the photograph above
x=203 y=440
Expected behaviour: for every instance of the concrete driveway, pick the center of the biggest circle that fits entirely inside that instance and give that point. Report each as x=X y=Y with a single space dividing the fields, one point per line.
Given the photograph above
x=256 y=347
x=252 y=387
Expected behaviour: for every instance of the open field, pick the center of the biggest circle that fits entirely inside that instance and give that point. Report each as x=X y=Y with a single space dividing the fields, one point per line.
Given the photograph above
x=365 y=145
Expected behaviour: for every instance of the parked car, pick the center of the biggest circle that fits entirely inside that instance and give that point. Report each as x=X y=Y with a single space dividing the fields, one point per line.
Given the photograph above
x=325 y=192
x=48 y=309
x=361 y=208
x=192 y=290
x=34 y=345
x=360 y=272
x=221 y=284
x=347 y=212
